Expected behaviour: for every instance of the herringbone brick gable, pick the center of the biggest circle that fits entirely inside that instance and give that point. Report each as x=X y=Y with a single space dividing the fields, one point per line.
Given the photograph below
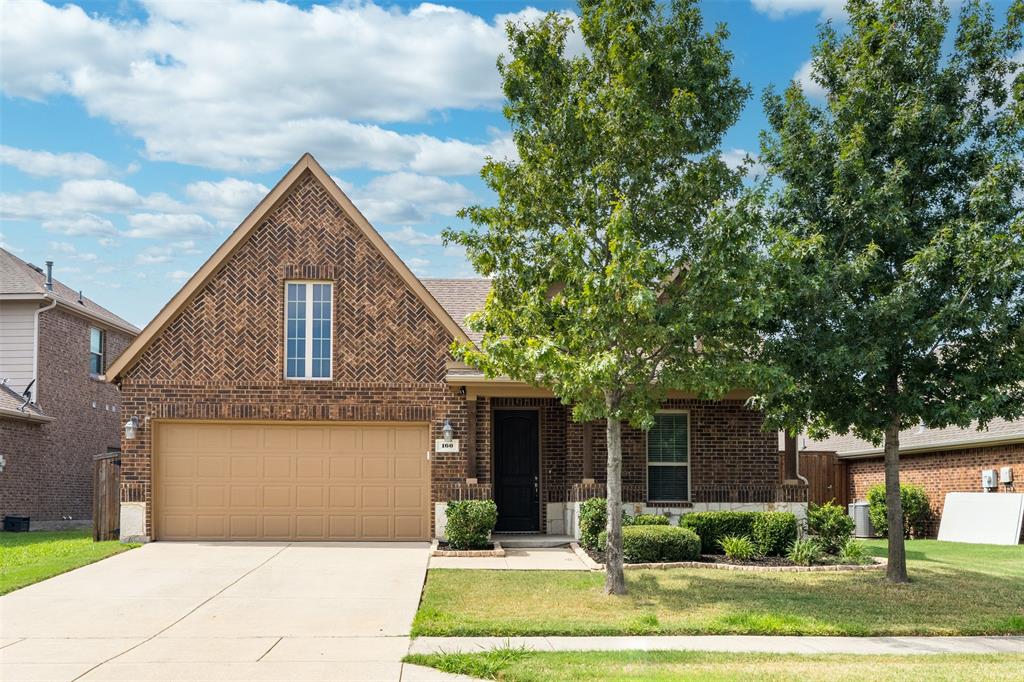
x=233 y=329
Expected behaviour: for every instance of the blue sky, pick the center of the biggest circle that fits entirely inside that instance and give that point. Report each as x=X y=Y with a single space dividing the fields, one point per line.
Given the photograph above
x=136 y=135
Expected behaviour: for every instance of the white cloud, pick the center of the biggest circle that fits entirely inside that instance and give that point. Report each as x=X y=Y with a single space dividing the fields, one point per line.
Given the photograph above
x=409 y=236
x=777 y=9
x=153 y=255
x=251 y=85
x=68 y=249
x=178 y=276
x=46 y=164
x=803 y=76
x=160 y=225
x=86 y=224
x=408 y=197
x=228 y=200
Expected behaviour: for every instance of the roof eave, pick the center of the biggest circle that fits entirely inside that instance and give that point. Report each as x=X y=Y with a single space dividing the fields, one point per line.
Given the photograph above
x=956 y=444
x=24 y=416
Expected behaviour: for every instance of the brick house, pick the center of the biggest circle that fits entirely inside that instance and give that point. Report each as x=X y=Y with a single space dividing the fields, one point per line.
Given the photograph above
x=300 y=384
x=940 y=460
x=55 y=346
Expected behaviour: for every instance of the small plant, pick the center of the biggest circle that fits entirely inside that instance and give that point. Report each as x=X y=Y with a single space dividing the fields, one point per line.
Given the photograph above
x=917 y=511
x=853 y=552
x=593 y=520
x=773 y=531
x=470 y=523
x=654 y=544
x=648 y=520
x=830 y=524
x=804 y=551
x=738 y=547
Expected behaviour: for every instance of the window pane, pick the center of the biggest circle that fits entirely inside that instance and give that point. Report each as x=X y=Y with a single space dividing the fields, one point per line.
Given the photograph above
x=668 y=439
x=95 y=363
x=667 y=483
x=95 y=340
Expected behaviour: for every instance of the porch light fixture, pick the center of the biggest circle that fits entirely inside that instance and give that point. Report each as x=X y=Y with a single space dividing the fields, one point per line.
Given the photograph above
x=447 y=431
x=131 y=428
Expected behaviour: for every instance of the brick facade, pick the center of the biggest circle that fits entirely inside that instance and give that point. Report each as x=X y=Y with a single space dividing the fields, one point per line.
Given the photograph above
x=221 y=358
x=939 y=472
x=50 y=466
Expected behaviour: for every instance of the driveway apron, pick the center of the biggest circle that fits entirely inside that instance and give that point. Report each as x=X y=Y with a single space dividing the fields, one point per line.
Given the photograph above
x=224 y=611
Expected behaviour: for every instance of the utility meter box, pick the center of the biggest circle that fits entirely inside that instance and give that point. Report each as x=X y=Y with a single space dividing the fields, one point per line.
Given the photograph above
x=988 y=479
x=1006 y=475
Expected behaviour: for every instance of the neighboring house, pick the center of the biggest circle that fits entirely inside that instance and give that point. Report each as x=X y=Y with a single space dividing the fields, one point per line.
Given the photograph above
x=941 y=460
x=55 y=346
x=299 y=385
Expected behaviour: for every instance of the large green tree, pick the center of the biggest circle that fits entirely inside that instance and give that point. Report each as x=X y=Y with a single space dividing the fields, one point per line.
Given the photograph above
x=899 y=229
x=620 y=266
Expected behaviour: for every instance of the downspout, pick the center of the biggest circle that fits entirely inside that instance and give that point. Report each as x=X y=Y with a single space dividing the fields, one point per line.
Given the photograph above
x=802 y=478
x=35 y=354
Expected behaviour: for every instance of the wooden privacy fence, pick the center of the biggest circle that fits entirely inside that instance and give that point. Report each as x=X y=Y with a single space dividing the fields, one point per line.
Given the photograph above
x=106 y=496
x=826 y=477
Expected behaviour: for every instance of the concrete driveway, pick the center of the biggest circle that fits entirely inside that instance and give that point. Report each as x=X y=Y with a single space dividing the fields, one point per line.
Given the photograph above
x=220 y=611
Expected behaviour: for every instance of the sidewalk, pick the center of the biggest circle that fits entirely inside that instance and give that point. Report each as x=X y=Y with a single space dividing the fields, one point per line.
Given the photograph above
x=732 y=643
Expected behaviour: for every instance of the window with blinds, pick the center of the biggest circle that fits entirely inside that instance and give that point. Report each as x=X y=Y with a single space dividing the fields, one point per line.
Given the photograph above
x=668 y=458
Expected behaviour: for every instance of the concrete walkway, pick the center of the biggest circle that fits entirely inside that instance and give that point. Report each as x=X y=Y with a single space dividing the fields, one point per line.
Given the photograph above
x=230 y=611
x=549 y=559
x=762 y=644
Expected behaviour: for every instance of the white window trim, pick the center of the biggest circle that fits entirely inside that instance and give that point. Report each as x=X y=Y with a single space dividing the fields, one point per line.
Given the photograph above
x=309 y=330
x=688 y=465
x=102 y=353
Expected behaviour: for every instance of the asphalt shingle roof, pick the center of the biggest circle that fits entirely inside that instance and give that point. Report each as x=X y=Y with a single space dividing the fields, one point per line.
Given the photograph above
x=460 y=297
x=12 y=401
x=919 y=439
x=18 y=277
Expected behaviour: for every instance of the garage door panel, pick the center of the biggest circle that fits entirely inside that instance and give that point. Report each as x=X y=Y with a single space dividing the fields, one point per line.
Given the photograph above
x=291 y=482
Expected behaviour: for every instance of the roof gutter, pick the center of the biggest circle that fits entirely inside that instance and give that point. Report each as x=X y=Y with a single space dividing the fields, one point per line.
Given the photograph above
x=25 y=416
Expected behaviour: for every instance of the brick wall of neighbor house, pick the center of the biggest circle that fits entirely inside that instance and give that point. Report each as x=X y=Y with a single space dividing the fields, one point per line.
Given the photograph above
x=940 y=472
x=86 y=410
x=49 y=471
x=222 y=356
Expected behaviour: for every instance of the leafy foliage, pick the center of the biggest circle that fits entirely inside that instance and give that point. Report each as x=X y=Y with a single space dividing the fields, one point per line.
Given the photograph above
x=738 y=547
x=830 y=524
x=897 y=223
x=646 y=520
x=917 y=510
x=593 y=520
x=804 y=551
x=654 y=544
x=711 y=527
x=470 y=523
x=773 y=531
x=853 y=551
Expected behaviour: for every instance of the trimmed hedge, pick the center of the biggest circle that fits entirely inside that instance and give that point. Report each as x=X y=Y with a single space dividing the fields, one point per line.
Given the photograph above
x=470 y=523
x=647 y=520
x=656 y=544
x=772 y=532
x=917 y=510
x=831 y=524
x=593 y=520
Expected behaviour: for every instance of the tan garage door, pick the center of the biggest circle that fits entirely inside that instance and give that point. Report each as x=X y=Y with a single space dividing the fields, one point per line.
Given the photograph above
x=233 y=481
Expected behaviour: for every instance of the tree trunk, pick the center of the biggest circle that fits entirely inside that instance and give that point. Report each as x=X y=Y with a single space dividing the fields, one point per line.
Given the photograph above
x=896 y=571
x=615 y=579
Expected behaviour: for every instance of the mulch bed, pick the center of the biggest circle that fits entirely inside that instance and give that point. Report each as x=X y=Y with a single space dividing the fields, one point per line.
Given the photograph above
x=445 y=547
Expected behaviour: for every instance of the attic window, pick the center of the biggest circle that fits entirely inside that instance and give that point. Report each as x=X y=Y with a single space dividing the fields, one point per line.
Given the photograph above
x=97 y=342
x=308 y=330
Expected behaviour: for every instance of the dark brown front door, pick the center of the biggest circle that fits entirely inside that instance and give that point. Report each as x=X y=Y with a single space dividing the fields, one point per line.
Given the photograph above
x=516 y=470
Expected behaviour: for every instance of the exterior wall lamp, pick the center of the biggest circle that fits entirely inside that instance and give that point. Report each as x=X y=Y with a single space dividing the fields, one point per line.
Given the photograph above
x=131 y=428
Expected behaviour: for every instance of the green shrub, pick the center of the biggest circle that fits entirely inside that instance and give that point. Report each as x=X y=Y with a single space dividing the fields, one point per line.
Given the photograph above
x=470 y=523
x=804 y=551
x=711 y=527
x=830 y=524
x=853 y=552
x=772 y=532
x=654 y=544
x=738 y=547
x=648 y=520
x=917 y=511
x=593 y=520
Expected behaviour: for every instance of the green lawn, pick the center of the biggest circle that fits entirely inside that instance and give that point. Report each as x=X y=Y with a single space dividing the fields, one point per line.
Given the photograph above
x=663 y=666
x=956 y=589
x=27 y=558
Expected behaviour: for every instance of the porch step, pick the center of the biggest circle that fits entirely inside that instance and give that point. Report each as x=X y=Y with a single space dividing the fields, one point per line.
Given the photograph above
x=516 y=541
